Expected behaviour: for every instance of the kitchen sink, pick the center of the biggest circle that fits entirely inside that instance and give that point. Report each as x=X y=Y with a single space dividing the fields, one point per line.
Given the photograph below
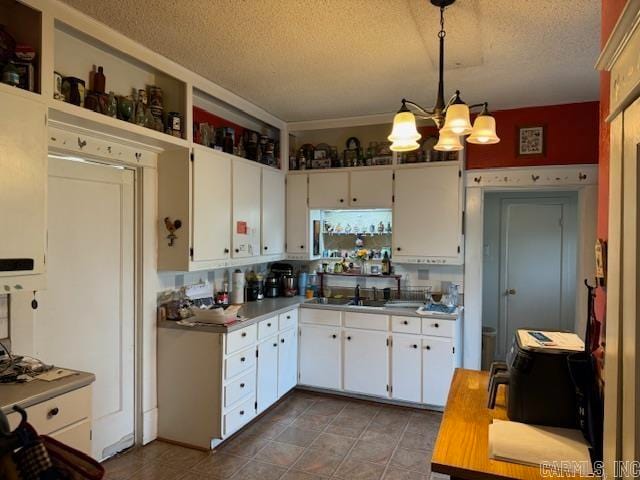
x=330 y=301
x=368 y=303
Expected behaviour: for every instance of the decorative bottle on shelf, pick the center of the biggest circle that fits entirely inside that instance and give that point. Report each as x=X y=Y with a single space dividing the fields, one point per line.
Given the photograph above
x=99 y=81
x=386 y=264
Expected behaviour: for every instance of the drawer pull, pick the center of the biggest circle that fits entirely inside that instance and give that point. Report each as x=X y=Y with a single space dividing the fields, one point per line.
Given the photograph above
x=355 y=199
x=244 y=334
x=242 y=385
x=414 y=346
x=334 y=336
x=242 y=359
x=288 y=317
x=269 y=324
x=275 y=344
x=436 y=325
x=428 y=347
x=241 y=412
x=342 y=200
x=282 y=340
x=53 y=412
x=405 y=322
x=226 y=250
x=301 y=246
x=348 y=338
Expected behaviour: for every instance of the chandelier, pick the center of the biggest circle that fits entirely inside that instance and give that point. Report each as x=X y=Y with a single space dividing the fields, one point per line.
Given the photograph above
x=452 y=118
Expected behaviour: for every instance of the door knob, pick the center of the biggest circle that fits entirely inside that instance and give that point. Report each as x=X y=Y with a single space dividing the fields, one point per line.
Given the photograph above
x=511 y=291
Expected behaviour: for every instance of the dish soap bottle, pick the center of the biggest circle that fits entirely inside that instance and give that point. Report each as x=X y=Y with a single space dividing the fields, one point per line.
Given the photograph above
x=386 y=264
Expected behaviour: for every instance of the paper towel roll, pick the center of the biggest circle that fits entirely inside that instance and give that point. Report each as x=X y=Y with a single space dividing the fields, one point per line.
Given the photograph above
x=237 y=287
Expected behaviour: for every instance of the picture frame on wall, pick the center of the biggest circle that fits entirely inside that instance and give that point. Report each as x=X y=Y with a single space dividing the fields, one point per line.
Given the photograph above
x=531 y=140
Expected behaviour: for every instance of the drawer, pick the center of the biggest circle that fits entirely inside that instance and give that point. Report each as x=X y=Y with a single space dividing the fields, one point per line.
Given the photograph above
x=288 y=319
x=77 y=436
x=241 y=338
x=240 y=388
x=58 y=412
x=238 y=363
x=370 y=321
x=406 y=324
x=320 y=317
x=267 y=327
x=239 y=416
x=438 y=327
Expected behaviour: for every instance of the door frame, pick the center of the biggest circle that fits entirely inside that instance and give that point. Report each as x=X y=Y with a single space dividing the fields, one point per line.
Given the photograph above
x=566 y=305
x=580 y=178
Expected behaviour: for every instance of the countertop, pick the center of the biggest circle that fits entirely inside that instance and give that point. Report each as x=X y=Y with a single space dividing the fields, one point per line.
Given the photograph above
x=37 y=391
x=253 y=312
x=461 y=449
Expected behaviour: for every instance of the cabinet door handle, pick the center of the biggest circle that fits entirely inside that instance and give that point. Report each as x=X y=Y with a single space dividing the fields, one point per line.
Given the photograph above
x=244 y=334
x=226 y=250
x=241 y=412
x=266 y=248
x=334 y=336
x=355 y=199
x=288 y=317
x=342 y=200
x=428 y=347
x=405 y=322
x=237 y=250
x=53 y=412
x=436 y=325
x=242 y=359
x=398 y=249
x=301 y=246
x=282 y=340
x=242 y=385
x=414 y=346
x=348 y=338
x=275 y=344
x=269 y=324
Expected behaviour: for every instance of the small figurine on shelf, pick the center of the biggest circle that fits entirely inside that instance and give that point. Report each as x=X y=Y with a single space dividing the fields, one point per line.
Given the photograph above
x=388 y=227
x=359 y=241
x=372 y=229
x=381 y=227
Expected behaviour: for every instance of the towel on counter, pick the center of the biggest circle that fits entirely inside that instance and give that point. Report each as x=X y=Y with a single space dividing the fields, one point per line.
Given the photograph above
x=534 y=445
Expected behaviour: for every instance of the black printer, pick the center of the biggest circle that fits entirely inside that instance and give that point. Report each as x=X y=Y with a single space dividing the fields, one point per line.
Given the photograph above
x=540 y=390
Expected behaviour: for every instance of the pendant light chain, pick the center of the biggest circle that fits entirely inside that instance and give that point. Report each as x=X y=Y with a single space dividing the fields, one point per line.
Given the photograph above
x=442 y=33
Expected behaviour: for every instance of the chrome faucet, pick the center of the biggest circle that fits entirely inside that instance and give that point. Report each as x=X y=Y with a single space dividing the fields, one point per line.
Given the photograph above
x=375 y=293
x=356 y=295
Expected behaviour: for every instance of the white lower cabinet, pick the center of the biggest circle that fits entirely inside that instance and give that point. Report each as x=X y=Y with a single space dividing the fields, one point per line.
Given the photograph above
x=406 y=373
x=366 y=362
x=438 y=364
x=287 y=361
x=320 y=356
x=267 y=391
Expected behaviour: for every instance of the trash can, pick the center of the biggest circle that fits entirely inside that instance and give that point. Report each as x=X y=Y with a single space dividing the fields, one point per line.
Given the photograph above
x=488 y=346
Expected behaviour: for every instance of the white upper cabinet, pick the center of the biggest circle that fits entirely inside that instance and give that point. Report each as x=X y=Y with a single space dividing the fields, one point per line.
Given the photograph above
x=427 y=214
x=329 y=190
x=273 y=212
x=371 y=189
x=297 y=215
x=246 y=209
x=211 y=205
x=23 y=177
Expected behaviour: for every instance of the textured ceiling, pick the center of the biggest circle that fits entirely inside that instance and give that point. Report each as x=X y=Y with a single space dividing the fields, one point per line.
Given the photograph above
x=316 y=59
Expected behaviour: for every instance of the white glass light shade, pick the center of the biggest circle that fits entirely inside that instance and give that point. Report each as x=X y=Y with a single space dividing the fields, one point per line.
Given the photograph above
x=448 y=142
x=484 y=131
x=457 y=119
x=404 y=135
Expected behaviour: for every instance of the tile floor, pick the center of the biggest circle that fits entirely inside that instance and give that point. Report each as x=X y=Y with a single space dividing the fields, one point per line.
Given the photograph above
x=307 y=436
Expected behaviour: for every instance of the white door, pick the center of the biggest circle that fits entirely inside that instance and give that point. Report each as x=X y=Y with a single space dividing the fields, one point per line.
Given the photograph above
x=320 y=356
x=297 y=214
x=427 y=219
x=329 y=190
x=273 y=212
x=538 y=254
x=23 y=176
x=366 y=362
x=373 y=189
x=287 y=361
x=85 y=320
x=406 y=372
x=211 y=205
x=267 y=392
x=246 y=209
x=437 y=369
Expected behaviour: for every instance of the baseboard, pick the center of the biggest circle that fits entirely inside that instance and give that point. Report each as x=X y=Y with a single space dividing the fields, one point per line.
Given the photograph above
x=149 y=426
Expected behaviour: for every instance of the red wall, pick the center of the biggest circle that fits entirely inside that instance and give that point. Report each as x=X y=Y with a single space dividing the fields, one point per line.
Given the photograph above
x=611 y=10
x=571 y=137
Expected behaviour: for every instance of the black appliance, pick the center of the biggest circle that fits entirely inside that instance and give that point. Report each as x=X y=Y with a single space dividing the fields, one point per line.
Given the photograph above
x=254 y=290
x=272 y=286
x=280 y=272
x=540 y=389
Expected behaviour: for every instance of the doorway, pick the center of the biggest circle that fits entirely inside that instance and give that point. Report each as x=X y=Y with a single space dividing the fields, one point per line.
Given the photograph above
x=529 y=263
x=86 y=318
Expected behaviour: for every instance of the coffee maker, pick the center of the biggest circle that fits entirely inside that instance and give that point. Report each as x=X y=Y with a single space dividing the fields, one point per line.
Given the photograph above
x=282 y=273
